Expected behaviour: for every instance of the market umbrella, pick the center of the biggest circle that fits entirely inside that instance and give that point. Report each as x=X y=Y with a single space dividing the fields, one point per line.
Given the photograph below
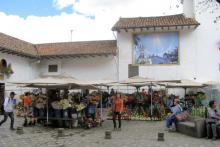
x=137 y=79
x=212 y=83
x=100 y=83
x=140 y=79
x=56 y=81
x=184 y=84
x=212 y=86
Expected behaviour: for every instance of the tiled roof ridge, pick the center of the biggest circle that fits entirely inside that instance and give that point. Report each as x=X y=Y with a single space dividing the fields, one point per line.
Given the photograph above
x=35 y=50
x=12 y=37
x=154 y=21
x=73 y=42
x=181 y=14
x=78 y=47
x=17 y=45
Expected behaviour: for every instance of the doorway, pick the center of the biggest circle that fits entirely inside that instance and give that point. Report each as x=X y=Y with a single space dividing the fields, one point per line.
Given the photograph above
x=2 y=95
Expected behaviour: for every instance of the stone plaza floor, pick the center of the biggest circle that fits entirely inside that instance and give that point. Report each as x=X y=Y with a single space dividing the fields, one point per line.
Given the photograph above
x=133 y=134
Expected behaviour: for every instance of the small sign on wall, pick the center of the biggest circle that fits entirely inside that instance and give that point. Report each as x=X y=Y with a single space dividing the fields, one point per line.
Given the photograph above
x=1 y=77
x=133 y=70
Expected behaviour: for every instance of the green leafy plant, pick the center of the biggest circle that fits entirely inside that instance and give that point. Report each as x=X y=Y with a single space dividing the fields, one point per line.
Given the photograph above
x=6 y=70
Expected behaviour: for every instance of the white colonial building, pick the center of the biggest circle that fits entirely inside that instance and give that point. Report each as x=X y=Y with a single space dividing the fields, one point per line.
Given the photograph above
x=194 y=53
x=198 y=50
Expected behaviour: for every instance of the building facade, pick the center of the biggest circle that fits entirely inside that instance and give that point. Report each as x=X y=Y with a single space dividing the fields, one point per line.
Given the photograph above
x=191 y=51
x=198 y=44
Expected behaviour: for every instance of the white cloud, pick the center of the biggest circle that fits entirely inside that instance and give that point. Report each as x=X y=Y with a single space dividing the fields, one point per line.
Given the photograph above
x=57 y=28
x=125 y=7
x=60 y=4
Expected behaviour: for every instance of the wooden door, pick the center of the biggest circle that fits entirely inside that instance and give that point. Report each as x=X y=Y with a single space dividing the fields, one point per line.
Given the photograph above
x=2 y=95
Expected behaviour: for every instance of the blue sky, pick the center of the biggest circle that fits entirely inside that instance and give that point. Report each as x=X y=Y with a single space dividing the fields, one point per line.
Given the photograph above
x=24 y=8
x=42 y=21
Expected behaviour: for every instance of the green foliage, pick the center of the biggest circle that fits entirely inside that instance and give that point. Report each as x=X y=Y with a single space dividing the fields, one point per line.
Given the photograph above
x=7 y=70
x=198 y=112
x=200 y=98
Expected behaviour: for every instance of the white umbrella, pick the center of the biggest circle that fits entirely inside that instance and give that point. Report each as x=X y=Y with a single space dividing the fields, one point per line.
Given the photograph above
x=184 y=84
x=137 y=79
x=57 y=81
x=102 y=82
x=212 y=83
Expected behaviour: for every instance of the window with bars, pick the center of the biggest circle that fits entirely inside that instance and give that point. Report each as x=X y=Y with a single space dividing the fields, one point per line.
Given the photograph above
x=53 y=68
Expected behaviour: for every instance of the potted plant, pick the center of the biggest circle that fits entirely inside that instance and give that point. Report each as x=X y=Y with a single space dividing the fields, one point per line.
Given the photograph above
x=6 y=70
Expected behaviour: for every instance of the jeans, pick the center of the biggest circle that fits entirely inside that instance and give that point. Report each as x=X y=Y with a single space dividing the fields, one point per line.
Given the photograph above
x=35 y=112
x=211 y=129
x=11 y=115
x=41 y=112
x=115 y=114
x=170 y=120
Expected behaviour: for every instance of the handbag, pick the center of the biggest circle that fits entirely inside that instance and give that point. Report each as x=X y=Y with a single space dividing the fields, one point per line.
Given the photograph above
x=182 y=116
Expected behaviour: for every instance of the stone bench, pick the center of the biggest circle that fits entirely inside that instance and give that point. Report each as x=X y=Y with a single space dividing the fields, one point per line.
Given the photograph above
x=195 y=127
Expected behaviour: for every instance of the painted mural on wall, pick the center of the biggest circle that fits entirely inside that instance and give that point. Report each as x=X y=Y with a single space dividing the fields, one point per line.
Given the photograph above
x=156 y=48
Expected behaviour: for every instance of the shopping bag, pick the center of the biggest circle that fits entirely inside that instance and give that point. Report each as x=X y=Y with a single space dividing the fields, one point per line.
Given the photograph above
x=182 y=116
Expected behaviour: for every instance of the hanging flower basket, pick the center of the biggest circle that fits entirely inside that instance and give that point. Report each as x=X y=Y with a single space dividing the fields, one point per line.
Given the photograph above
x=6 y=69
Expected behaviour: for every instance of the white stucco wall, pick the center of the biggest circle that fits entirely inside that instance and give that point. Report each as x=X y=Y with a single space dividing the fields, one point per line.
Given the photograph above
x=185 y=68
x=89 y=68
x=24 y=69
x=208 y=37
x=198 y=53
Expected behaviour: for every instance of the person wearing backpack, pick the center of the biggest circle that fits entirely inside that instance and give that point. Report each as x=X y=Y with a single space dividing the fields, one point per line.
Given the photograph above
x=8 y=110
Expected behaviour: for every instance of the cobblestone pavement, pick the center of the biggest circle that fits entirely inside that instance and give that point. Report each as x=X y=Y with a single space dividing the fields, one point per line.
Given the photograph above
x=133 y=134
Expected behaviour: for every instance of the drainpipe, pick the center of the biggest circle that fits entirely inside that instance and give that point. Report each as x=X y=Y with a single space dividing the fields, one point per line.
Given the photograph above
x=38 y=55
x=117 y=60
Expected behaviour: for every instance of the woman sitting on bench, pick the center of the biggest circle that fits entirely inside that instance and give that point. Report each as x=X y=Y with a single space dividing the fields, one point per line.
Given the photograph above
x=213 y=120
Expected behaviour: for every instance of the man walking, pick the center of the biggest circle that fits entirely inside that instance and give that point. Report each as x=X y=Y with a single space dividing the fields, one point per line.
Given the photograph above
x=8 y=108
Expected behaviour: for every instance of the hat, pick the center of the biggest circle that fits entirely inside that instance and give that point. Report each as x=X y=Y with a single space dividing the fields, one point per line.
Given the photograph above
x=12 y=93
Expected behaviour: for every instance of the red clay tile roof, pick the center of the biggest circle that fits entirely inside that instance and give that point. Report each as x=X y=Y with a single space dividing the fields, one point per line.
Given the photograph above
x=160 y=21
x=16 y=45
x=78 y=48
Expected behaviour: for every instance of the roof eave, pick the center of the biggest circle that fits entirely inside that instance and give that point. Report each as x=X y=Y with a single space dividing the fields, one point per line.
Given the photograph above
x=147 y=27
x=75 y=55
x=18 y=53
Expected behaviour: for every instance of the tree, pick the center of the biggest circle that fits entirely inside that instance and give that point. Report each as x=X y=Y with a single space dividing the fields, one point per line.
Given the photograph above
x=207 y=6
